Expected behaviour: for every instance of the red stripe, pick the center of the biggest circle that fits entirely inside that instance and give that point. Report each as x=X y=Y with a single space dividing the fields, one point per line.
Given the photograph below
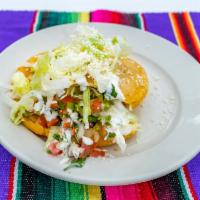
x=191 y=35
x=116 y=17
x=152 y=191
x=33 y=22
x=144 y=22
x=11 y=179
x=186 y=35
x=146 y=191
x=187 y=176
x=179 y=32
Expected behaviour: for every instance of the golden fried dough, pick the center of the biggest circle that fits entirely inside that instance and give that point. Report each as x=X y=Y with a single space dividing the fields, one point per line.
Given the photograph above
x=133 y=81
x=32 y=124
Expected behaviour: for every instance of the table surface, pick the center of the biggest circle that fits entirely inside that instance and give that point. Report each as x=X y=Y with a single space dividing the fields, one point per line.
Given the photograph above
x=88 y=5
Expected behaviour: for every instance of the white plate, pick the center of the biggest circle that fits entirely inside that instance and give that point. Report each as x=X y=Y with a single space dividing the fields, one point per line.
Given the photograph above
x=170 y=114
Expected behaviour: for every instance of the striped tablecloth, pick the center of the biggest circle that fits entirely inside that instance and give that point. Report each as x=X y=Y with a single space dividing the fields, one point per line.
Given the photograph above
x=17 y=181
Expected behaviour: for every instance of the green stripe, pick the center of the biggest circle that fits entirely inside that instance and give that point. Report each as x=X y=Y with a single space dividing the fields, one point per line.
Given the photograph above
x=59 y=190
x=43 y=186
x=38 y=21
x=86 y=192
x=63 y=18
x=74 y=191
x=182 y=185
x=138 y=21
x=72 y=17
x=53 y=19
x=19 y=180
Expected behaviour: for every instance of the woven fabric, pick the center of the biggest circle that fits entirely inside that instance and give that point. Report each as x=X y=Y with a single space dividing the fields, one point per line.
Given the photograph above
x=17 y=181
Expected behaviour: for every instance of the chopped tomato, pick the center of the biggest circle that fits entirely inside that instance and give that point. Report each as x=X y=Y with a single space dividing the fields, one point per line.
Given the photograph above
x=53 y=148
x=87 y=149
x=66 y=125
x=91 y=150
x=62 y=112
x=53 y=122
x=27 y=71
x=42 y=121
x=54 y=105
x=68 y=99
x=96 y=105
x=97 y=153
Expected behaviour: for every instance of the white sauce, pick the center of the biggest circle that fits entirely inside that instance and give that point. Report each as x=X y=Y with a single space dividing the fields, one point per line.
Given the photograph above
x=74 y=150
x=68 y=135
x=49 y=115
x=87 y=140
x=120 y=123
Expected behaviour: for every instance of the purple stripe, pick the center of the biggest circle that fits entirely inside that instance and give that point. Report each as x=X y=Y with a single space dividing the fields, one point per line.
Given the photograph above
x=196 y=21
x=194 y=171
x=13 y=25
x=160 y=24
x=5 y=159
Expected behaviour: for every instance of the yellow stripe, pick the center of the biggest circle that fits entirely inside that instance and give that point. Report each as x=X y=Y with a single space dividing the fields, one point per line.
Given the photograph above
x=85 y=17
x=94 y=192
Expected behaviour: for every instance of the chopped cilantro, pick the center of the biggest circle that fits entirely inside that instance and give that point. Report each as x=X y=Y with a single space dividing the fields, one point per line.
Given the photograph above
x=49 y=152
x=113 y=92
x=115 y=40
x=61 y=105
x=107 y=120
x=107 y=104
x=44 y=99
x=57 y=137
x=78 y=108
x=93 y=118
x=70 y=105
x=97 y=127
x=76 y=163
x=111 y=135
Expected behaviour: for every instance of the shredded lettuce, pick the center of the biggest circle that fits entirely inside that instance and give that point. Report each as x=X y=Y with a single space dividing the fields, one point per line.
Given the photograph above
x=54 y=130
x=20 y=108
x=20 y=84
x=86 y=107
x=41 y=69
